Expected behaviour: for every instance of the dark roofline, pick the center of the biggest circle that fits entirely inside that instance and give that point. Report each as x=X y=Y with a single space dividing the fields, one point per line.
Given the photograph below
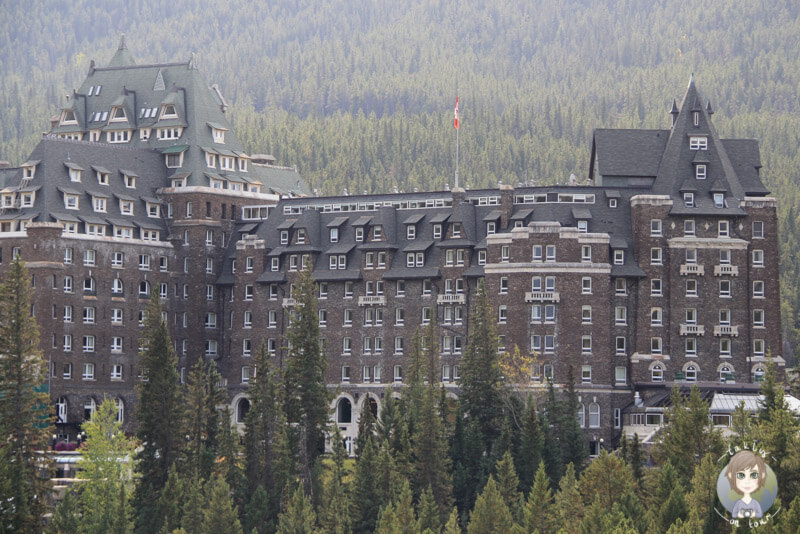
x=148 y=66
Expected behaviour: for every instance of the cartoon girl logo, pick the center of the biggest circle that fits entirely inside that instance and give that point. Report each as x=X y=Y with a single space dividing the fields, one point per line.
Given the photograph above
x=747 y=487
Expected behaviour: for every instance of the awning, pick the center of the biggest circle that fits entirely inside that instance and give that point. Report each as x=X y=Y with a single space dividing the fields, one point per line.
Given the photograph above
x=581 y=214
x=177 y=149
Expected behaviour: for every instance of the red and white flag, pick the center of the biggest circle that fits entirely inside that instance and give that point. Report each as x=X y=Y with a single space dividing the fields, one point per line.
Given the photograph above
x=455 y=120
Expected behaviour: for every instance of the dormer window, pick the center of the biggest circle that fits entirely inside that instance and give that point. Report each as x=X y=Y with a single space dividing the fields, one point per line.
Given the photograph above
x=301 y=236
x=169 y=133
x=126 y=207
x=69 y=117
x=28 y=172
x=153 y=210
x=226 y=163
x=719 y=200
x=698 y=143
x=118 y=114
x=75 y=175
x=177 y=182
x=99 y=204
x=688 y=200
x=8 y=200
x=696 y=118
x=218 y=134
x=700 y=171
x=174 y=160
x=168 y=111
x=583 y=226
x=27 y=199
x=377 y=233
x=242 y=165
x=118 y=136
x=130 y=181
x=211 y=160
x=144 y=134
x=102 y=178
x=456 y=229
x=216 y=184
x=411 y=232
x=71 y=202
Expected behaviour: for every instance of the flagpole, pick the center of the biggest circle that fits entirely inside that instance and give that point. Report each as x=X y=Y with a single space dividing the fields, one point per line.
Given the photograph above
x=456 y=120
x=456 y=185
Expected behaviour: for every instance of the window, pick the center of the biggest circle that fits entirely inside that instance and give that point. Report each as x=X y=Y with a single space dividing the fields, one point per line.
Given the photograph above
x=426 y=315
x=550 y=252
x=174 y=161
x=144 y=289
x=502 y=314
x=688 y=227
x=690 y=373
x=505 y=253
x=655 y=256
x=691 y=315
x=586 y=314
x=249 y=291
x=655 y=287
x=725 y=317
x=688 y=200
x=691 y=255
x=621 y=315
x=398 y=373
x=758 y=288
x=116 y=344
x=537 y=252
x=724 y=288
x=725 y=257
x=594 y=415
x=89 y=257
x=144 y=262
x=211 y=320
x=758 y=230
x=621 y=374
x=456 y=229
x=586 y=344
x=724 y=346
x=620 y=287
x=691 y=288
x=89 y=315
x=700 y=171
x=619 y=257
x=723 y=229
x=655 y=227
x=503 y=285
x=211 y=347
x=586 y=285
x=116 y=372
x=88 y=343
x=549 y=343
x=698 y=143
x=657 y=373
x=550 y=284
x=758 y=258
x=323 y=318
x=690 y=346
x=719 y=200
x=398 y=345
x=89 y=285
x=437 y=231
x=67 y=314
x=620 y=345
x=586 y=253
x=726 y=374
x=586 y=373
x=248 y=319
x=758 y=318
x=758 y=347
x=411 y=231
x=88 y=371
x=583 y=226
x=67 y=284
x=655 y=345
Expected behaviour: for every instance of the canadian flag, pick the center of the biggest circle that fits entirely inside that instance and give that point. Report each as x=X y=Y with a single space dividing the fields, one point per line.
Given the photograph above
x=455 y=120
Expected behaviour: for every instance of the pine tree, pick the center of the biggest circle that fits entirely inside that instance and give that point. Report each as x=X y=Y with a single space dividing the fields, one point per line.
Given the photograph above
x=480 y=382
x=202 y=397
x=366 y=426
x=367 y=494
x=398 y=517
x=66 y=518
x=490 y=514
x=551 y=422
x=24 y=420
x=508 y=485
x=266 y=448
x=169 y=507
x=160 y=418
x=307 y=396
x=537 y=511
x=299 y=516
x=701 y=499
x=606 y=480
x=574 y=449
x=105 y=470
x=568 y=510
x=335 y=516
x=229 y=464
x=194 y=506
x=452 y=527
x=220 y=515
x=430 y=516
x=636 y=461
x=531 y=444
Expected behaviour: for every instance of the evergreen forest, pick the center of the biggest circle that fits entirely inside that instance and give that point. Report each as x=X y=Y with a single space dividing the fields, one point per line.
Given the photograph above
x=359 y=94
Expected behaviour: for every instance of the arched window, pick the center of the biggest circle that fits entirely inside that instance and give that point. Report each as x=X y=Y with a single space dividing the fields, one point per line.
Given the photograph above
x=594 y=415
x=758 y=374
x=726 y=374
x=344 y=411
x=120 y=411
x=61 y=410
x=116 y=286
x=89 y=407
x=144 y=289
x=691 y=373
x=657 y=373
x=581 y=415
x=242 y=407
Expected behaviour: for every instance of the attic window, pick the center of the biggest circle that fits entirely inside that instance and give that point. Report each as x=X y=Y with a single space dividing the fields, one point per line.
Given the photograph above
x=696 y=118
x=612 y=202
x=698 y=143
x=97 y=90
x=242 y=165
x=168 y=112
x=218 y=134
x=69 y=117
x=102 y=178
x=28 y=172
x=118 y=114
x=91 y=90
x=719 y=200
x=700 y=172
x=130 y=181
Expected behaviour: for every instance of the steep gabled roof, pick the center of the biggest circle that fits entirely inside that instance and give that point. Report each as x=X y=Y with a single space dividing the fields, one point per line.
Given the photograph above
x=678 y=161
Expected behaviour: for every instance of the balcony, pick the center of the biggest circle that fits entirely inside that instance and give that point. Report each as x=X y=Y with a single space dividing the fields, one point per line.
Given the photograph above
x=289 y=302
x=726 y=270
x=726 y=330
x=372 y=300
x=693 y=330
x=451 y=299
x=692 y=269
x=542 y=296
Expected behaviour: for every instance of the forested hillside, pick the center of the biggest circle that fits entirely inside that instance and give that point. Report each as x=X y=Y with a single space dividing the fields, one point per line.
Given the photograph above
x=359 y=93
